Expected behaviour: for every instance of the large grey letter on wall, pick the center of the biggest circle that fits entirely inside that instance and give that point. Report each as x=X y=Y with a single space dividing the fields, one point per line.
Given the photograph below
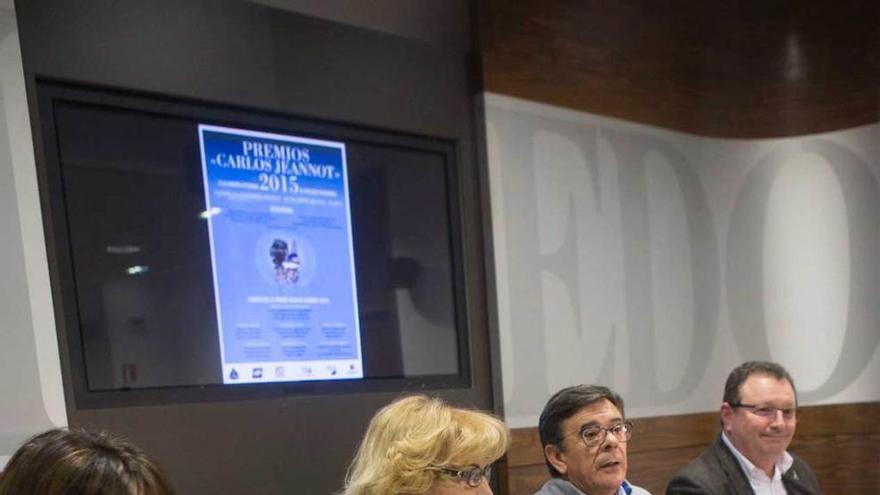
x=631 y=150
x=745 y=267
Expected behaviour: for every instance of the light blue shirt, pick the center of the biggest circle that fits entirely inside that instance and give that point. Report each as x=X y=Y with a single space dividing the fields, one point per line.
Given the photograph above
x=559 y=486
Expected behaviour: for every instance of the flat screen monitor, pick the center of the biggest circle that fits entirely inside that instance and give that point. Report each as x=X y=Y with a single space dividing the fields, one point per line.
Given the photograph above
x=210 y=252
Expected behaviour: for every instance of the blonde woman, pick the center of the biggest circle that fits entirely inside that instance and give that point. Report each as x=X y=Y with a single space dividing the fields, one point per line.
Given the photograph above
x=423 y=446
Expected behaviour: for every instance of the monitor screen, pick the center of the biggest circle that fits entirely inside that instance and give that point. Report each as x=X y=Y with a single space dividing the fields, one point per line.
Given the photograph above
x=204 y=248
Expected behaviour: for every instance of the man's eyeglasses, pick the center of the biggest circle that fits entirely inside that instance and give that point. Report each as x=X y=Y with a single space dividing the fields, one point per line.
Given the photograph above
x=768 y=412
x=471 y=476
x=593 y=435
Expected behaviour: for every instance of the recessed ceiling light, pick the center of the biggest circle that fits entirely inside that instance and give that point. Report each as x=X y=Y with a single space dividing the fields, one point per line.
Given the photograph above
x=210 y=212
x=137 y=269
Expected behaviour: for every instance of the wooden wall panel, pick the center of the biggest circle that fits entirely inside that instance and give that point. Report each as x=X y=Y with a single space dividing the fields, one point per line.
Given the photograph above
x=841 y=443
x=727 y=69
x=844 y=463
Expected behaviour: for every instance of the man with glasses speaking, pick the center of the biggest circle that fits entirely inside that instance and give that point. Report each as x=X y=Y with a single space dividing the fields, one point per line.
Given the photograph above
x=584 y=433
x=758 y=417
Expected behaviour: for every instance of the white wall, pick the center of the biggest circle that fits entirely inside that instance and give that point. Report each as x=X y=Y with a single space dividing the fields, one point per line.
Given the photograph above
x=31 y=395
x=655 y=261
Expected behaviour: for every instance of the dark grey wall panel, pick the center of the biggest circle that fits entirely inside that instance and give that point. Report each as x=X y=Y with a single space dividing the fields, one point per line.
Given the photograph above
x=237 y=53
x=441 y=23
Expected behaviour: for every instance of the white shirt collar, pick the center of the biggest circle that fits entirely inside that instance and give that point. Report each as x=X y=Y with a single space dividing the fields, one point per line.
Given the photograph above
x=783 y=463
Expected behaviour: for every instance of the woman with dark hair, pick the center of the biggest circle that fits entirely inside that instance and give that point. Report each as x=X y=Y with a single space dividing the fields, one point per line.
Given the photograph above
x=77 y=462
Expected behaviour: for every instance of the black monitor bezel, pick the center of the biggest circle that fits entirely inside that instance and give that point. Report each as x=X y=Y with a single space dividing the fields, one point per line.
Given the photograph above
x=62 y=276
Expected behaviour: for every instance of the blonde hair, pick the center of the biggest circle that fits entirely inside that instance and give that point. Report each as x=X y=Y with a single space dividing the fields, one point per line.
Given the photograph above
x=410 y=436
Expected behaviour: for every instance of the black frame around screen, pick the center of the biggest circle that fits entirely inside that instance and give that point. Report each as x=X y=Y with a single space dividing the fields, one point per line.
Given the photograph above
x=61 y=259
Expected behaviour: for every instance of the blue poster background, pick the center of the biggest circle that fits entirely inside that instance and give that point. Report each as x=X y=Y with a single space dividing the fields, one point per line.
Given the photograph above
x=280 y=230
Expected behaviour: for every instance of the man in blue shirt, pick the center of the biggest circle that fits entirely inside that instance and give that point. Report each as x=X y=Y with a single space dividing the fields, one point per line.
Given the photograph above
x=584 y=433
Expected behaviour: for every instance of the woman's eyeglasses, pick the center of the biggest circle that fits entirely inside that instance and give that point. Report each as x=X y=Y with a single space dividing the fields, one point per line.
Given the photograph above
x=472 y=476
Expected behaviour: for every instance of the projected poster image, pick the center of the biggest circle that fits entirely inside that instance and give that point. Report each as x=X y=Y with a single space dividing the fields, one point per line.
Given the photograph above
x=281 y=249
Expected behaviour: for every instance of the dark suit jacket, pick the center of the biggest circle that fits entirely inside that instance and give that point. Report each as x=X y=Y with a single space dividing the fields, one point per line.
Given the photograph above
x=717 y=472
